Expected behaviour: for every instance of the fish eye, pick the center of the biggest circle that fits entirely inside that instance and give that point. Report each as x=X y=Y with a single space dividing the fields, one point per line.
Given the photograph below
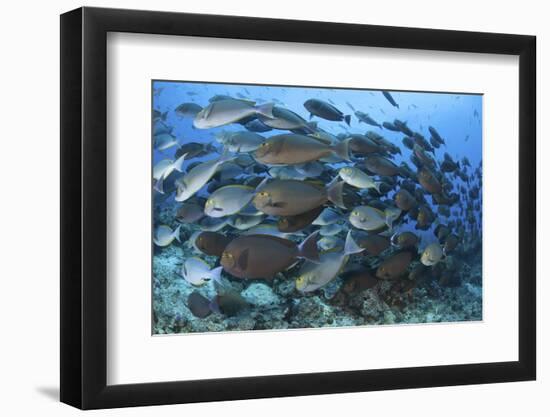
x=263 y=194
x=355 y=213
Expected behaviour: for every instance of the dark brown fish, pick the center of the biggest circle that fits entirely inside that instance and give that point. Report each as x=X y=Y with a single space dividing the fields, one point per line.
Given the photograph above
x=374 y=245
x=395 y=266
x=292 y=197
x=263 y=256
x=451 y=242
x=381 y=166
x=194 y=150
x=358 y=280
x=289 y=224
x=360 y=144
x=424 y=218
x=212 y=243
x=404 y=200
x=441 y=231
x=229 y=303
x=429 y=182
x=405 y=240
x=198 y=305
x=189 y=213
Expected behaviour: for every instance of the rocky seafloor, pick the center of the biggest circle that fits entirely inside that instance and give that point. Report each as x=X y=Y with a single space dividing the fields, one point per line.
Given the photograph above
x=276 y=304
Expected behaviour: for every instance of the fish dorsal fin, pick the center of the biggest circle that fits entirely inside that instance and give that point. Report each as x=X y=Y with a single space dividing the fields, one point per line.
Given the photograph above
x=243 y=259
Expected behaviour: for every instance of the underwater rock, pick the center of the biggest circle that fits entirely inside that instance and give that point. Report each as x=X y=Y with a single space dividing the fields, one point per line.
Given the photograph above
x=261 y=295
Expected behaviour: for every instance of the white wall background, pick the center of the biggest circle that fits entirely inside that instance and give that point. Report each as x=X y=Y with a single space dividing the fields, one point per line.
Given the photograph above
x=29 y=171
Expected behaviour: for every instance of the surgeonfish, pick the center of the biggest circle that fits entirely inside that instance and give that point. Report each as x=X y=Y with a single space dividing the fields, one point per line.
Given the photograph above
x=313 y=276
x=164 y=235
x=197 y=272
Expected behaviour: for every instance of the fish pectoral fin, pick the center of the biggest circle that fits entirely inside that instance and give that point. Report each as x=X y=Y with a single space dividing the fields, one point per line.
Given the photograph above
x=243 y=259
x=278 y=204
x=217 y=209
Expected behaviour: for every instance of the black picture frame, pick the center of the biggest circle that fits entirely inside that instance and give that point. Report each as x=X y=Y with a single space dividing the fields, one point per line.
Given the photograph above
x=84 y=207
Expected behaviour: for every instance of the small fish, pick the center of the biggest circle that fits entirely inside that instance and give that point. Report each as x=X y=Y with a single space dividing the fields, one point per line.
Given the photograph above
x=198 y=305
x=350 y=106
x=390 y=126
x=368 y=218
x=284 y=119
x=242 y=222
x=358 y=280
x=211 y=243
x=164 y=235
x=429 y=182
x=390 y=98
x=164 y=168
x=374 y=245
x=435 y=134
x=188 y=110
x=189 y=212
x=404 y=200
x=195 y=150
x=325 y=111
x=405 y=240
x=197 y=272
x=382 y=166
x=395 y=266
x=313 y=276
x=224 y=112
x=228 y=302
x=365 y=118
x=451 y=242
x=197 y=177
x=432 y=254
x=228 y=200
x=160 y=127
x=164 y=141
x=257 y=126
x=402 y=127
x=263 y=256
x=357 y=178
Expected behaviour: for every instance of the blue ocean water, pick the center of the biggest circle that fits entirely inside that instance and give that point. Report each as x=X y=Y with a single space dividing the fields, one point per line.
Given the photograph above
x=457 y=117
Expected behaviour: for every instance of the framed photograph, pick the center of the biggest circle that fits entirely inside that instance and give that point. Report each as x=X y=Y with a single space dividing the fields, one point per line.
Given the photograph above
x=313 y=207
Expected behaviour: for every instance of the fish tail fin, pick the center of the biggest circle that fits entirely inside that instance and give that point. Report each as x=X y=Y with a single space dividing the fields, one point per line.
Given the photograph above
x=163 y=115
x=266 y=110
x=216 y=274
x=392 y=239
x=341 y=149
x=308 y=248
x=179 y=162
x=347 y=119
x=335 y=193
x=177 y=233
x=377 y=185
x=351 y=247
x=159 y=185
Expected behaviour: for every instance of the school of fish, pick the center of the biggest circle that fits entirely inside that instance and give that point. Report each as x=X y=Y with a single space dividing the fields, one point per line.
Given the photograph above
x=279 y=197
